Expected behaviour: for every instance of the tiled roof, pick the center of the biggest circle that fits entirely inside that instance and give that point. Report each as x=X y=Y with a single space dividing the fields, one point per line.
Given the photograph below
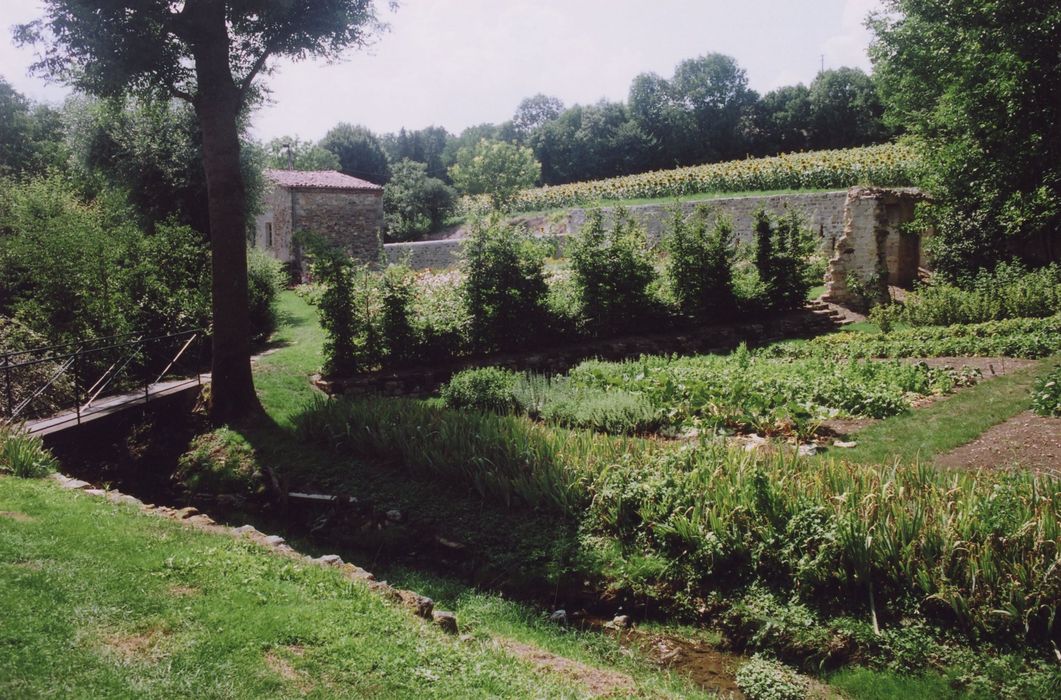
x=319 y=180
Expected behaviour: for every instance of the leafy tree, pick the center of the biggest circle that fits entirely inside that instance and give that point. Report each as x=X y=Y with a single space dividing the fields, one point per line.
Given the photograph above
x=30 y=135
x=784 y=121
x=414 y=203
x=714 y=91
x=209 y=53
x=979 y=82
x=469 y=138
x=700 y=266
x=427 y=146
x=612 y=271
x=504 y=286
x=846 y=110
x=359 y=152
x=591 y=142
x=495 y=168
x=288 y=151
x=148 y=147
x=534 y=113
x=668 y=127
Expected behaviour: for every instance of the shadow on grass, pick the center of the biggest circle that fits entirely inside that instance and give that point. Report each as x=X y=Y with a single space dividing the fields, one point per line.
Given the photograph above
x=401 y=519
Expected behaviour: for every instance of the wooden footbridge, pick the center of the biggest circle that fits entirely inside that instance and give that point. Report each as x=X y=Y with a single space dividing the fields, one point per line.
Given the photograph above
x=50 y=389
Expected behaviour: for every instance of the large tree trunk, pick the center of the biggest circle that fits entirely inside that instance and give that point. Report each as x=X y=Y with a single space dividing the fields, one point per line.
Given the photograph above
x=217 y=105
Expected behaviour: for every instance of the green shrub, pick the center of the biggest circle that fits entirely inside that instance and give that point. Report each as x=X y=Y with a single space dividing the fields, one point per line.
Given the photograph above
x=24 y=455
x=612 y=271
x=783 y=246
x=699 y=269
x=504 y=286
x=334 y=271
x=221 y=461
x=485 y=389
x=1010 y=291
x=74 y=267
x=397 y=296
x=1046 y=397
x=761 y=678
x=1029 y=338
x=686 y=521
x=265 y=279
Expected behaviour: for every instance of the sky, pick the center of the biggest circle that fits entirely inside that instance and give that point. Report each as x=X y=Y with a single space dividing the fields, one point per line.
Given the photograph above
x=455 y=63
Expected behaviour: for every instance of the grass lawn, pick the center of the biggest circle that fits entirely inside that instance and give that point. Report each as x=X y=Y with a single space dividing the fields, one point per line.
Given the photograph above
x=948 y=423
x=101 y=600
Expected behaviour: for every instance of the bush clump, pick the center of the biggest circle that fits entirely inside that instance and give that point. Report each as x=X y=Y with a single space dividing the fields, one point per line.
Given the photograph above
x=700 y=267
x=24 y=455
x=504 y=286
x=1046 y=396
x=762 y=678
x=484 y=389
x=612 y=271
x=1009 y=291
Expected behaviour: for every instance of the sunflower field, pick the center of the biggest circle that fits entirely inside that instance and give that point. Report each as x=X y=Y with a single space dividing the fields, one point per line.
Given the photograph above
x=885 y=165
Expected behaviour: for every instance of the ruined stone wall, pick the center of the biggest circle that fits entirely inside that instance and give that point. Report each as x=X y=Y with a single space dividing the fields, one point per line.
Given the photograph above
x=874 y=251
x=822 y=211
x=277 y=206
x=352 y=220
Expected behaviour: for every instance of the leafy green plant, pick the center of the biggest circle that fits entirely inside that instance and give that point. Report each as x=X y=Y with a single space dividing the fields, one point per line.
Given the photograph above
x=782 y=247
x=485 y=389
x=504 y=286
x=1046 y=397
x=612 y=270
x=24 y=455
x=397 y=296
x=1009 y=291
x=265 y=279
x=699 y=268
x=762 y=678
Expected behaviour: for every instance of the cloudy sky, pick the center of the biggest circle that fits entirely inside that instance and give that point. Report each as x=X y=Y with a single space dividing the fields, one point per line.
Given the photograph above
x=455 y=63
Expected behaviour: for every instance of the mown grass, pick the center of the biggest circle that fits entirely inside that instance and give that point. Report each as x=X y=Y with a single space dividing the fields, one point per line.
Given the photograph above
x=100 y=600
x=921 y=435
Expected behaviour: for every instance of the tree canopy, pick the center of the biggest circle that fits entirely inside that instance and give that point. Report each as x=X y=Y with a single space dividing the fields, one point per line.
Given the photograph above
x=359 y=152
x=979 y=82
x=209 y=53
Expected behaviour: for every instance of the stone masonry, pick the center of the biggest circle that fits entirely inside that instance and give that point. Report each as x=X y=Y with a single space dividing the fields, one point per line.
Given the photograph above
x=874 y=248
x=345 y=210
x=822 y=211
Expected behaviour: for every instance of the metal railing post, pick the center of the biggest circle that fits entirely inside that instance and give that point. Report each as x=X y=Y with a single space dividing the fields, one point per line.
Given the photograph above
x=8 y=390
x=77 y=384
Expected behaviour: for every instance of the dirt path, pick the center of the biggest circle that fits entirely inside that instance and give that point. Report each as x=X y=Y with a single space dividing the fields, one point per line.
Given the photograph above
x=1024 y=441
x=990 y=368
x=597 y=682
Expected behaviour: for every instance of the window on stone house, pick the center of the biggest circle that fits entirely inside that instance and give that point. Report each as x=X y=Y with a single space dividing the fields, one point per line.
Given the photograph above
x=268 y=235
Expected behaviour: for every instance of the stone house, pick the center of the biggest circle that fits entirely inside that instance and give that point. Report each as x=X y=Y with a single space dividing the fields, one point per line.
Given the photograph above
x=345 y=210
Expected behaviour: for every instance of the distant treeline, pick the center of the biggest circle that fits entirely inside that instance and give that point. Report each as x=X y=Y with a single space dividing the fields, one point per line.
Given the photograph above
x=704 y=113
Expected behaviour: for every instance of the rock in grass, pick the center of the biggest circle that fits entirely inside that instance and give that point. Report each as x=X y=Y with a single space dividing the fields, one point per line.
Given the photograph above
x=330 y=560
x=559 y=617
x=841 y=443
x=446 y=621
x=807 y=450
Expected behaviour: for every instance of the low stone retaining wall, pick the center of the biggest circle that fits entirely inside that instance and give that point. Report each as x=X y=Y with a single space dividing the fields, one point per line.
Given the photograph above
x=823 y=212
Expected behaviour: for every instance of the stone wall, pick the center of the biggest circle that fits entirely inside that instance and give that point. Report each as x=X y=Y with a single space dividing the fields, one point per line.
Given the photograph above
x=352 y=220
x=874 y=248
x=823 y=212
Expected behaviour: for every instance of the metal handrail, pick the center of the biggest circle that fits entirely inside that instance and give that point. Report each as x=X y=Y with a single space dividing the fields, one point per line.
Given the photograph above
x=131 y=350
